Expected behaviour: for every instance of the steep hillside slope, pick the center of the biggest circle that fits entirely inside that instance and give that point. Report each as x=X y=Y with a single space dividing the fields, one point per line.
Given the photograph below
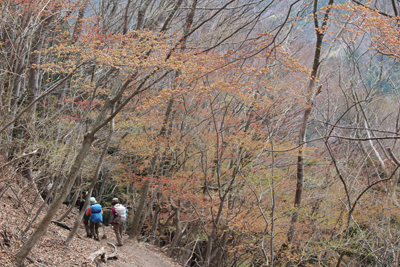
x=18 y=205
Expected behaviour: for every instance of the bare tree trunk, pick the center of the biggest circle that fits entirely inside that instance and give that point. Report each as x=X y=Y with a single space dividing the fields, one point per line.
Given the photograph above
x=78 y=23
x=162 y=229
x=155 y=225
x=311 y=94
x=134 y=232
x=125 y=28
x=33 y=78
x=211 y=236
x=103 y=185
x=221 y=251
x=141 y=14
x=178 y=230
x=146 y=213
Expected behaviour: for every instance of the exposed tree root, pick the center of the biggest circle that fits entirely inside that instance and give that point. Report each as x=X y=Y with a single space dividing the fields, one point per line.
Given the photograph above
x=103 y=256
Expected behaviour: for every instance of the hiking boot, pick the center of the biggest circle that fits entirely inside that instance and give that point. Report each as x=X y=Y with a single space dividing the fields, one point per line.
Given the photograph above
x=118 y=245
x=96 y=238
x=89 y=235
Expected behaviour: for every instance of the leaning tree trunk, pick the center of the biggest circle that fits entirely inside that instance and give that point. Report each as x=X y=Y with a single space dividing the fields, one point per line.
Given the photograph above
x=72 y=205
x=50 y=193
x=92 y=185
x=134 y=232
x=23 y=252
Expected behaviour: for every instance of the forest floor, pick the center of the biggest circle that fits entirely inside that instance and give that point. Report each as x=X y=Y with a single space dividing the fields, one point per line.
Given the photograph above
x=16 y=205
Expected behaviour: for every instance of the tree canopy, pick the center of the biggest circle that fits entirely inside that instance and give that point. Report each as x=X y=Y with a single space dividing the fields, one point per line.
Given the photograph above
x=238 y=132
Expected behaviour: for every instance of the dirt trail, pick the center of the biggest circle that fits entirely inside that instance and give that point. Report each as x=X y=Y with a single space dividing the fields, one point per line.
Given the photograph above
x=135 y=254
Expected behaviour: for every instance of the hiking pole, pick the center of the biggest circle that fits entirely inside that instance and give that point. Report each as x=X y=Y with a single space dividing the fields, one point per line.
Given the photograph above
x=104 y=232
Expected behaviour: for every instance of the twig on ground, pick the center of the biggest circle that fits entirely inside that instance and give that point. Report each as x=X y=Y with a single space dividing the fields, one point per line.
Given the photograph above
x=6 y=239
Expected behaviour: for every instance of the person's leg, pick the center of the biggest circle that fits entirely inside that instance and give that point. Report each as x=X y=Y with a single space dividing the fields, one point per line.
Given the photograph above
x=87 y=228
x=117 y=234
x=96 y=228
x=121 y=233
x=92 y=229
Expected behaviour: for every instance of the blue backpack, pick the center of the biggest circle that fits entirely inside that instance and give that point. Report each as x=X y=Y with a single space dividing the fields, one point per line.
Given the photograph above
x=96 y=216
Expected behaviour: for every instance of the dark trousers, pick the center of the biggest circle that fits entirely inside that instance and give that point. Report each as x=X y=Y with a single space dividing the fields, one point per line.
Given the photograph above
x=87 y=228
x=94 y=227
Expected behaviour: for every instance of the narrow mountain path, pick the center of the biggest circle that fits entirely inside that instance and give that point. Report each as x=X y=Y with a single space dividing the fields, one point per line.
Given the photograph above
x=133 y=253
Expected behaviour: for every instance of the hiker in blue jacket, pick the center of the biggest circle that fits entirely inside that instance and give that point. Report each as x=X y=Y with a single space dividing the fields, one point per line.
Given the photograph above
x=95 y=213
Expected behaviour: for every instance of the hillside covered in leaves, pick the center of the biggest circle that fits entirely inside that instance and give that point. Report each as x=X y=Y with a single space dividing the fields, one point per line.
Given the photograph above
x=237 y=132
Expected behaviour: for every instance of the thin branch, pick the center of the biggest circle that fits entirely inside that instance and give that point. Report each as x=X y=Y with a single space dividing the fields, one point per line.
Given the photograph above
x=45 y=93
x=20 y=157
x=372 y=9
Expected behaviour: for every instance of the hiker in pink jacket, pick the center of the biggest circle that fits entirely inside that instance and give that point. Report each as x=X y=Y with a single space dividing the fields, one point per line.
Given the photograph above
x=118 y=219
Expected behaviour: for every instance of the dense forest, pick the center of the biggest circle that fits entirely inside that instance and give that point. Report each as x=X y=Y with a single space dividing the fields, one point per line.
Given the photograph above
x=238 y=132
